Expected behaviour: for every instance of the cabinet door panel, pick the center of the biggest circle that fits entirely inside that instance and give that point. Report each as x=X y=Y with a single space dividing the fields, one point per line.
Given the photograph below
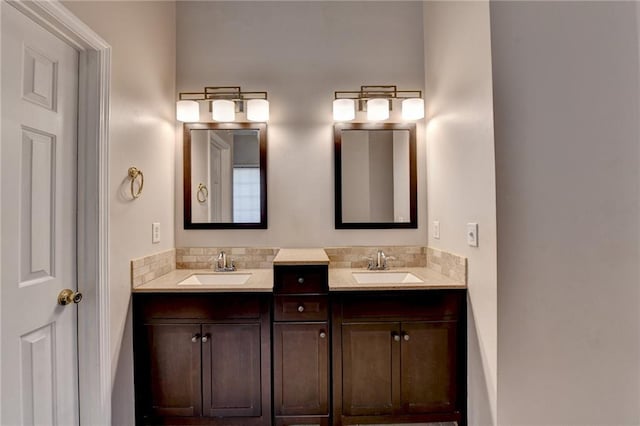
x=370 y=367
x=231 y=370
x=301 y=369
x=428 y=365
x=173 y=369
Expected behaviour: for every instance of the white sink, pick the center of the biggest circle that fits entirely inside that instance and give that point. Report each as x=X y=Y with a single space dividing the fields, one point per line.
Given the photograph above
x=384 y=277
x=216 y=279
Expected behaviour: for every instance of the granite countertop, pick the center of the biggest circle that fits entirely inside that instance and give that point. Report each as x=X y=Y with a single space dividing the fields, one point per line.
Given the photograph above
x=341 y=279
x=261 y=280
x=301 y=256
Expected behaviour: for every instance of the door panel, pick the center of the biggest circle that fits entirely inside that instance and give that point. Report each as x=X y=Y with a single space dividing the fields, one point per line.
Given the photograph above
x=428 y=362
x=370 y=358
x=38 y=178
x=301 y=369
x=173 y=369
x=231 y=370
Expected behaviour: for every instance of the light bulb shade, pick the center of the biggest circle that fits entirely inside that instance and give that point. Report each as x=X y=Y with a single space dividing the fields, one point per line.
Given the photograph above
x=377 y=109
x=257 y=110
x=187 y=111
x=223 y=110
x=412 y=109
x=344 y=110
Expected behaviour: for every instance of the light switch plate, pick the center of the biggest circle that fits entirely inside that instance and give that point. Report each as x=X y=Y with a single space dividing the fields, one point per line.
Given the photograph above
x=472 y=234
x=436 y=229
x=155 y=232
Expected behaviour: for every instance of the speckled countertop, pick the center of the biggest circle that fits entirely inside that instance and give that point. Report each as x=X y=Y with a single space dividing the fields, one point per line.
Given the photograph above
x=341 y=279
x=261 y=280
x=301 y=256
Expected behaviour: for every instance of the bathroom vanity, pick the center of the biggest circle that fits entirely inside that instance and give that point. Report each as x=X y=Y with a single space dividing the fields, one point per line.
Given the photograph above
x=316 y=348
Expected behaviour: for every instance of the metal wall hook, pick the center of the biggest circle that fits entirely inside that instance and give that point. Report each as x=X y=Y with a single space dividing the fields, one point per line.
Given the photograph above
x=134 y=172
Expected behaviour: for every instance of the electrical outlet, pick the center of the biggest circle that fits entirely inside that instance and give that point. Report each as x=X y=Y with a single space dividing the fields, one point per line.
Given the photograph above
x=436 y=229
x=472 y=234
x=155 y=232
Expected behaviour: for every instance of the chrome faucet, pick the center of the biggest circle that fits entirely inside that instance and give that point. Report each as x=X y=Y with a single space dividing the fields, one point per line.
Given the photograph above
x=223 y=263
x=380 y=261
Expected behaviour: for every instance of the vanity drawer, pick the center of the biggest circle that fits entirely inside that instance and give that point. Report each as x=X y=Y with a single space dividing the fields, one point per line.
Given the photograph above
x=199 y=307
x=300 y=308
x=300 y=279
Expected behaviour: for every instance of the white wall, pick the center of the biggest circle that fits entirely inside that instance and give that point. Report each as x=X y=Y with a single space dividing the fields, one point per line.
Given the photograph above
x=300 y=52
x=567 y=154
x=142 y=35
x=461 y=177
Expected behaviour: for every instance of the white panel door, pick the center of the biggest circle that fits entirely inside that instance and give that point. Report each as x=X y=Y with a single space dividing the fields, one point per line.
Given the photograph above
x=38 y=169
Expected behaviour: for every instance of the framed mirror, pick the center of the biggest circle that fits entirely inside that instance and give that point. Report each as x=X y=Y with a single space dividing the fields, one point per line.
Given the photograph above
x=225 y=175
x=375 y=176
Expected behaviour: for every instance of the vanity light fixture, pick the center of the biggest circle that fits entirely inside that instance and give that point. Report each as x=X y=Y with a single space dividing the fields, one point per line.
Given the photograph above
x=225 y=101
x=377 y=101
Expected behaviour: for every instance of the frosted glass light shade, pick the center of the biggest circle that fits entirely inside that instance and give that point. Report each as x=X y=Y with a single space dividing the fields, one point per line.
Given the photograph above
x=257 y=110
x=223 y=110
x=187 y=111
x=344 y=110
x=377 y=109
x=412 y=109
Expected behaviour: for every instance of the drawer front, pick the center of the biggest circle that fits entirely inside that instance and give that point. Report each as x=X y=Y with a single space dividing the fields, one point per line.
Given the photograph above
x=301 y=308
x=198 y=307
x=300 y=279
x=431 y=304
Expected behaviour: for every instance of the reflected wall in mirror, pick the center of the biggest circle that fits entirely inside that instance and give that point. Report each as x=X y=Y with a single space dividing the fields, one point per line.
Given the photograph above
x=225 y=176
x=375 y=176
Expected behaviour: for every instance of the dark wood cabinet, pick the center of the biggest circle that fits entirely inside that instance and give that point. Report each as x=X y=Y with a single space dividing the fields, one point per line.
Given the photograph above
x=301 y=360
x=399 y=357
x=199 y=363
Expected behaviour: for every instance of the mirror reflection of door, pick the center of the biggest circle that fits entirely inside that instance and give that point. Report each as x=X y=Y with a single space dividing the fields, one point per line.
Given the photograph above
x=226 y=162
x=375 y=176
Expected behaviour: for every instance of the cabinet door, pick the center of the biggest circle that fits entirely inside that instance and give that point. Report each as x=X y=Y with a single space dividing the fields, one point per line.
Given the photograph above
x=231 y=384
x=173 y=369
x=301 y=369
x=428 y=365
x=370 y=368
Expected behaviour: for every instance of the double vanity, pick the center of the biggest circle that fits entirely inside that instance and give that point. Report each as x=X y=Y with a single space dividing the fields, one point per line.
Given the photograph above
x=301 y=343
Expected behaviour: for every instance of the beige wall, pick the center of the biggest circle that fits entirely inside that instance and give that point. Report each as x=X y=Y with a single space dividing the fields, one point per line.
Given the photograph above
x=300 y=52
x=567 y=155
x=142 y=35
x=461 y=177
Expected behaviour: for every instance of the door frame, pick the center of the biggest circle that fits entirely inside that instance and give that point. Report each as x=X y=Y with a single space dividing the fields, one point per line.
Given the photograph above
x=94 y=358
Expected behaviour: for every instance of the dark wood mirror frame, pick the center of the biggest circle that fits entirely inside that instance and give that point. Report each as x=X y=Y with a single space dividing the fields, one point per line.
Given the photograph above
x=413 y=185
x=188 y=127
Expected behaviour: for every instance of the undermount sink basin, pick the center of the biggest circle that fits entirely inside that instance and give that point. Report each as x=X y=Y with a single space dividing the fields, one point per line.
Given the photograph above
x=216 y=279
x=384 y=277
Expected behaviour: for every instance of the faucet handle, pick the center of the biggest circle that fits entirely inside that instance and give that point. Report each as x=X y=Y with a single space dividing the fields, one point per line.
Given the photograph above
x=369 y=260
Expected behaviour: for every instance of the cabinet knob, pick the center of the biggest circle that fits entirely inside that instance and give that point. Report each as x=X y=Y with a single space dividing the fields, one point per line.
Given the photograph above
x=205 y=338
x=323 y=334
x=300 y=280
x=195 y=338
x=406 y=337
x=396 y=336
x=300 y=308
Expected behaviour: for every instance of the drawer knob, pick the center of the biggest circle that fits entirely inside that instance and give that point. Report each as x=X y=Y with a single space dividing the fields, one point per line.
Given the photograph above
x=396 y=336
x=300 y=308
x=300 y=280
x=323 y=334
x=195 y=338
x=406 y=337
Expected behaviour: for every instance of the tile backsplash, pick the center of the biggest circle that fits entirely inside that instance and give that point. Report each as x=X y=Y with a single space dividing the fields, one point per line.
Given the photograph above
x=356 y=257
x=448 y=264
x=243 y=258
x=145 y=269
x=150 y=267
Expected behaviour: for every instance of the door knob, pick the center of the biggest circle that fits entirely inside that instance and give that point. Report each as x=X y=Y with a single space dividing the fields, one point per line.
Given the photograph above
x=406 y=337
x=323 y=334
x=195 y=337
x=396 y=336
x=68 y=296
